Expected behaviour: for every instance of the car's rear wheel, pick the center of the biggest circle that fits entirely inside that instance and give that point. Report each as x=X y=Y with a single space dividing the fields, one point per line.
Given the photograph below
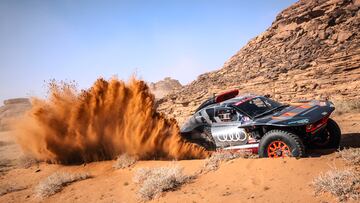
x=279 y=143
x=201 y=136
x=330 y=137
x=208 y=141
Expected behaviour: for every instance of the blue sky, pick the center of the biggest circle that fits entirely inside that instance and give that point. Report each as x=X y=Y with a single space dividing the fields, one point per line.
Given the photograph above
x=83 y=40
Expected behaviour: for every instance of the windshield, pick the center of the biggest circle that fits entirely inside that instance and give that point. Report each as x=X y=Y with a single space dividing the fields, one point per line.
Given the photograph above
x=258 y=105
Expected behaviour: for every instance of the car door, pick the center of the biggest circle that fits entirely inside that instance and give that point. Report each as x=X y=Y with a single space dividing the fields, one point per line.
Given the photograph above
x=226 y=127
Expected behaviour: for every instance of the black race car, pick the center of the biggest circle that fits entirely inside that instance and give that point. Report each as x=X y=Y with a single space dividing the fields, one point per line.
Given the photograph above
x=259 y=124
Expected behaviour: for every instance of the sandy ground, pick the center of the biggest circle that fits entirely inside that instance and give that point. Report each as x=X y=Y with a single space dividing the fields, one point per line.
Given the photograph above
x=240 y=180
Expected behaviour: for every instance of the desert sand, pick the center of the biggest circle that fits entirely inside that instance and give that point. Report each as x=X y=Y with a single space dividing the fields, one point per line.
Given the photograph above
x=310 y=51
x=239 y=180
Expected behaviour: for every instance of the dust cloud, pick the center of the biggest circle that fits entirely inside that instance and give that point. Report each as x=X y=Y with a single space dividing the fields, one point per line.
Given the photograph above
x=111 y=118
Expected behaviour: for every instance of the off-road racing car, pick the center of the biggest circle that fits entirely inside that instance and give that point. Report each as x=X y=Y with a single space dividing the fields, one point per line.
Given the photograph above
x=259 y=124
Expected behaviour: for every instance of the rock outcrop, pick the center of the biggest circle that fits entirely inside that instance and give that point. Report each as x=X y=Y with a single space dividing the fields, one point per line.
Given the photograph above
x=311 y=50
x=12 y=109
x=164 y=87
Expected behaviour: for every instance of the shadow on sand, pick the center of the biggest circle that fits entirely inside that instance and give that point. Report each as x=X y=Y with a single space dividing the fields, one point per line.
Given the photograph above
x=348 y=140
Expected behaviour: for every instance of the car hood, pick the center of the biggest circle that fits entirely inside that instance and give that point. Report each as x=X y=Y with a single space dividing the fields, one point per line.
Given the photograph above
x=298 y=114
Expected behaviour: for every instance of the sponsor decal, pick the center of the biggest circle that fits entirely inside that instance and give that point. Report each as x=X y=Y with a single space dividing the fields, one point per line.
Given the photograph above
x=230 y=135
x=289 y=114
x=310 y=110
x=305 y=106
x=278 y=118
x=302 y=121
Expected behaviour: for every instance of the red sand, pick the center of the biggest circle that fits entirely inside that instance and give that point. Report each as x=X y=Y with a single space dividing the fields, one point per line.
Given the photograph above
x=241 y=180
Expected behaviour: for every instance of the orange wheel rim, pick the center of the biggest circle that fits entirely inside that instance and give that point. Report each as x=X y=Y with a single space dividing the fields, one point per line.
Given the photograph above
x=278 y=149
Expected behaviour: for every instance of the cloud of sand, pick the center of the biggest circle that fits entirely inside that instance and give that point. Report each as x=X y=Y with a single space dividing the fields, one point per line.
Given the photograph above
x=110 y=118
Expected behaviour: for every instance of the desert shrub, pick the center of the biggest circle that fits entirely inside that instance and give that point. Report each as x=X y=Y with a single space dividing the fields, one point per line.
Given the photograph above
x=8 y=188
x=350 y=155
x=213 y=162
x=154 y=181
x=344 y=184
x=55 y=183
x=124 y=161
x=345 y=106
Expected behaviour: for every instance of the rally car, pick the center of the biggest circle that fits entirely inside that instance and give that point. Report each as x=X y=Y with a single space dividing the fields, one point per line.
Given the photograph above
x=262 y=125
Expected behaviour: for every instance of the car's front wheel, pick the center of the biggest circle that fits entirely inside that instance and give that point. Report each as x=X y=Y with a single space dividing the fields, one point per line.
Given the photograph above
x=279 y=143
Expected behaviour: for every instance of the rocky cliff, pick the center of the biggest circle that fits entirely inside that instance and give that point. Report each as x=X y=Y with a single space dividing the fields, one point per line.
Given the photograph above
x=164 y=87
x=311 y=50
x=12 y=108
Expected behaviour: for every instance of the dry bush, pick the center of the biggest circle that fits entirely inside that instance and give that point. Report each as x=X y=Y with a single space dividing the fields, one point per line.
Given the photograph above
x=6 y=188
x=213 y=162
x=154 y=181
x=344 y=184
x=55 y=182
x=347 y=106
x=124 y=161
x=350 y=155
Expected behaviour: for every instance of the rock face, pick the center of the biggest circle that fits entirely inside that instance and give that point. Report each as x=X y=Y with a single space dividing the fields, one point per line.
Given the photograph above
x=311 y=50
x=164 y=87
x=12 y=109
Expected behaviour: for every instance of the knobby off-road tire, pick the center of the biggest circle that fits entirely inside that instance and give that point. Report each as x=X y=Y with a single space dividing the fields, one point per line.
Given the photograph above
x=289 y=144
x=202 y=137
x=332 y=137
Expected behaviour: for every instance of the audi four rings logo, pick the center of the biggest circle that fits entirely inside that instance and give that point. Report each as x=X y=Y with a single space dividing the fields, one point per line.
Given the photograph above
x=231 y=135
